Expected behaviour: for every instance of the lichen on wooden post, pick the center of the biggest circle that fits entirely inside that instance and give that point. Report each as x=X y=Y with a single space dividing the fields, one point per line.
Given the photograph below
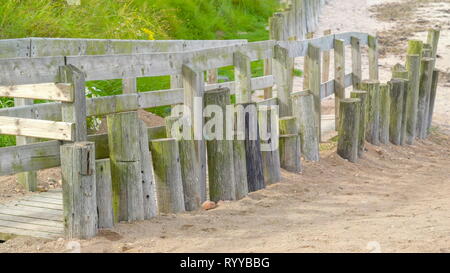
x=385 y=109
x=362 y=96
x=104 y=194
x=167 y=170
x=189 y=174
x=79 y=190
x=290 y=148
x=220 y=150
x=413 y=68
x=396 y=112
x=126 y=169
x=303 y=111
x=373 y=110
x=350 y=111
x=426 y=76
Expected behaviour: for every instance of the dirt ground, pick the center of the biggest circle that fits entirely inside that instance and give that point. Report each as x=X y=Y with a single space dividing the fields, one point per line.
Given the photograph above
x=396 y=199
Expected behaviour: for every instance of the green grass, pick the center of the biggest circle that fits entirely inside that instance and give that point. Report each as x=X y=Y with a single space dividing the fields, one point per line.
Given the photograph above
x=141 y=20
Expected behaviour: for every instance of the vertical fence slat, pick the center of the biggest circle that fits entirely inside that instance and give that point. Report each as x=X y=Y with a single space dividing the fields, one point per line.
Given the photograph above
x=397 y=89
x=373 y=57
x=126 y=168
x=270 y=158
x=167 y=169
x=326 y=61
x=385 y=109
x=79 y=190
x=290 y=149
x=373 y=110
x=220 y=150
x=356 y=62
x=283 y=72
x=413 y=68
x=350 y=111
x=362 y=96
x=303 y=111
x=339 y=75
x=426 y=76
x=314 y=84
x=104 y=193
x=194 y=87
x=243 y=76
x=434 y=84
x=28 y=179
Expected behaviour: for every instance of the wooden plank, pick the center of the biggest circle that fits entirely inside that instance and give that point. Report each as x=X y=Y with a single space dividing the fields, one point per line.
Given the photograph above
x=23 y=232
x=44 y=91
x=373 y=57
x=30 y=226
x=19 y=71
x=45 y=155
x=356 y=61
x=43 y=200
x=15 y=48
x=34 y=221
x=38 y=204
x=32 y=212
x=37 y=128
x=314 y=84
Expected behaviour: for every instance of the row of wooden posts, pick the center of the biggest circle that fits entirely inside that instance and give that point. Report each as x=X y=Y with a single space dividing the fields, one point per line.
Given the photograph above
x=396 y=112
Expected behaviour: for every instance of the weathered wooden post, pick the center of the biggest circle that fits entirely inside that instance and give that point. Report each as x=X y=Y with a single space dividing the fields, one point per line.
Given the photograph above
x=426 y=69
x=104 y=193
x=148 y=184
x=240 y=162
x=28 y=179
x=434 y=84
x=433 y=40
x=270 y=158
x=348 y=129
x=308 y=35
x=126 y=169
x=339 y=75
x=396 y=111
x=314 y=84
x=167 y=170
x=290 y=145
x=412 y=100
x=326 y=60
x=400 y=72
x=79 y=190
x=78 y=163
x=129 y=86
x=243 y=76
x=248 y=116
x=362 y=96
x=356 y=61
x=385 y=109
x=220 y=150
x=373 y=109
x=283 y=67
x=373 y=57
x=194 y=87
x=303 y=111
x=189 y=174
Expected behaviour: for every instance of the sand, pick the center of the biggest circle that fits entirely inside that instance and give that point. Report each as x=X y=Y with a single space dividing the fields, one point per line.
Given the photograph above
x=396 y=199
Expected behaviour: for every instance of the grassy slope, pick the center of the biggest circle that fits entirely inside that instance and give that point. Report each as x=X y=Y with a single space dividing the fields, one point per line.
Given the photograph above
x=136 y=19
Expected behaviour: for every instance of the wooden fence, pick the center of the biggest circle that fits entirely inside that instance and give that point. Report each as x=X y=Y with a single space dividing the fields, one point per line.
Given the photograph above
x=134 y=172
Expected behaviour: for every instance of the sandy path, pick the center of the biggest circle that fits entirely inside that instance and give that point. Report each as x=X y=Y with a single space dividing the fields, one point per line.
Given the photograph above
x=397 y=197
